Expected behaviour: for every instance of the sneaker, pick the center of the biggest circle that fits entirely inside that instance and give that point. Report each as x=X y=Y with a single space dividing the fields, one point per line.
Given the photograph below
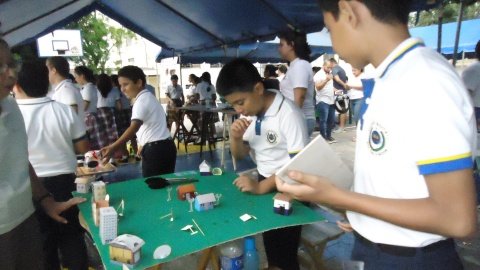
x=331 y=140
x=339 y=130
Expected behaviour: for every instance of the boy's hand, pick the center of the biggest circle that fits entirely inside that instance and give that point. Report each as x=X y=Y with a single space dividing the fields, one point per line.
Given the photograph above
x=239 y=127
x=107 y=153
x=54 y=208
x=310 y=188
x=345 y=226
x=245 y=184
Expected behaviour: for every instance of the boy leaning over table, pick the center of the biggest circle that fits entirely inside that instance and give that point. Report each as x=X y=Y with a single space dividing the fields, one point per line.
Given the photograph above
x=276 y=132
x=413 y=189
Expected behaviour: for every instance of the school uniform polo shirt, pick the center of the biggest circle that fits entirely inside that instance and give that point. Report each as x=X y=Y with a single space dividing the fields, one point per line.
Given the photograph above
x=205 y=90
x=67 y=93
x=90 y=93
x=175 y=92
x=15 y=190
x=52 y=129
x=148 y=110
x=417 y=121
x=109 y=101
x=300 y=75
x=277 y=135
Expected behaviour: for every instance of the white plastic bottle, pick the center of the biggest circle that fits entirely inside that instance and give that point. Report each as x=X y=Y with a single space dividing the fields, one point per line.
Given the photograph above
x=231 y=256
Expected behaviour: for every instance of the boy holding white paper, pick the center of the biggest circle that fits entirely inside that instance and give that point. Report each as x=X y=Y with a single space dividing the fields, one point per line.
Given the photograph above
x=413 y=189
x=276 y=132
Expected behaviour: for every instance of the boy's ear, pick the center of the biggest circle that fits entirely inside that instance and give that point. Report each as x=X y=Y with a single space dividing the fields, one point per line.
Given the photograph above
x=348 y=12
x=259 y=88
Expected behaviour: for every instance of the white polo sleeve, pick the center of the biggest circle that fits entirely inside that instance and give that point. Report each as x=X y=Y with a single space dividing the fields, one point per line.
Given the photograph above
x=66 y=96
x=77 y=128
x=88 y=93
x=294 y=130
x=442 y=138
x=140 y=110
x=299 y=75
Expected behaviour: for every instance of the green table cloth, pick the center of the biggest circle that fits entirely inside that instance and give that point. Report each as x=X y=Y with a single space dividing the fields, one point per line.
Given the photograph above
x=145 y=206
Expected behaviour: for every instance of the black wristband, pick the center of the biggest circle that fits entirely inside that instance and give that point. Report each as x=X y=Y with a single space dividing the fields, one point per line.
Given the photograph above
x=43 y=197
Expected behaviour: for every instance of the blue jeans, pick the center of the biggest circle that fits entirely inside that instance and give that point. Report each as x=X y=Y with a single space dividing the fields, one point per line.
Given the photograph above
x=326 y=118
x=441 y=258
x=310 y=126
x=355 y=106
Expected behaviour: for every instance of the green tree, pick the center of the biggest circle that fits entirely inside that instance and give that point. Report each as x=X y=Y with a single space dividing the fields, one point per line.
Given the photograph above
x=450 y=13
x=98 y=39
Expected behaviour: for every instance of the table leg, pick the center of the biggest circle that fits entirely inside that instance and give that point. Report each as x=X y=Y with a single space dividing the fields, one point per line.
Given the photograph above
x=208 y=255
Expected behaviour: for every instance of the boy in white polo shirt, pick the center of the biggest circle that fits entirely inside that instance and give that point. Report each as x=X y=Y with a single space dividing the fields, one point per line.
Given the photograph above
x=149 y=123
x=64 y=91
x=277 y=132
x=413 y=189
x=55 y=135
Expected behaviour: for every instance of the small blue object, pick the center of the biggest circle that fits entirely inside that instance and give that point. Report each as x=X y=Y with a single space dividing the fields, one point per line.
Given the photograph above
x=205 y=202
x=250 y=257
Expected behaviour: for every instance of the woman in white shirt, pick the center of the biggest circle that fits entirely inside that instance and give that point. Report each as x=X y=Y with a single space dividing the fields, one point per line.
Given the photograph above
x=298 y=85
x=85 y=78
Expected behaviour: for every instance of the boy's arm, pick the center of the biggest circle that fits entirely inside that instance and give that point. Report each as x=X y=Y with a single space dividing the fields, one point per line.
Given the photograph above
x=108 y=151
x=245 y=184
x=449 y=210
x=81 y=146
x=338 y=80
x=237 y=146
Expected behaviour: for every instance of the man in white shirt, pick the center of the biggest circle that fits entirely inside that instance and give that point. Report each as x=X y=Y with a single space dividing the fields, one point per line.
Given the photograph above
x=175 y=92
x=55 y=135
x=325 y=99
x=471 y=78
x=413 y=192
x=276 y=133
x=20 y=238
x=64 y=91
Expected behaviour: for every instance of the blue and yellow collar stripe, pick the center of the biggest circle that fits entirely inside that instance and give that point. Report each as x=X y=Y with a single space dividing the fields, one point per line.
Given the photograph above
x=446 y=164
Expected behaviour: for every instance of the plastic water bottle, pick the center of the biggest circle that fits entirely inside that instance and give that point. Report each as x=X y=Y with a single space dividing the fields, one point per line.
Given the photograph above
x=231 y=256
x=250 y=258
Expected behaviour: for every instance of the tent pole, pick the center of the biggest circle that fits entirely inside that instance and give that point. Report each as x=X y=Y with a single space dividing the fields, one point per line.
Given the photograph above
x=440 y=22
x=459 y=27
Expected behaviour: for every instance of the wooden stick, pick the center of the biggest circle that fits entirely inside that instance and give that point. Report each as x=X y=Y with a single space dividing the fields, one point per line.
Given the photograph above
x=200 y=229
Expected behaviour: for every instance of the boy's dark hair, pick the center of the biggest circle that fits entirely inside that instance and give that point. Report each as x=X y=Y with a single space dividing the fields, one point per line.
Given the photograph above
x=60 y=64
x=206 y=77
x=477 y=50
x=133 y=73
x=104 y=84
x=239 y=75
x=33 y=79
x=270 y=71
x=387 y=11
x=283 y=69
x=174 y=77
x=332 y=60
x=298 y=40
x=85 y=72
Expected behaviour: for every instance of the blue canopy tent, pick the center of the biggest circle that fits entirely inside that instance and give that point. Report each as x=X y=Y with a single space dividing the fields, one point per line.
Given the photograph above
x=262 y=52
x=469 y=36
x=185 y=26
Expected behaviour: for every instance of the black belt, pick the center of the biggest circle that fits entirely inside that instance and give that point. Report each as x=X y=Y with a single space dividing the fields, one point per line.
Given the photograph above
x=157 y=142
x=405 y=251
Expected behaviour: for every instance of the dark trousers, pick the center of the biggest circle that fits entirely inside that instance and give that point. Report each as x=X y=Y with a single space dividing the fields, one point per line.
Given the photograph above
x=21 y=248
x=66 y=238
x=438 y=256
x=281 y=245
x=158 y=158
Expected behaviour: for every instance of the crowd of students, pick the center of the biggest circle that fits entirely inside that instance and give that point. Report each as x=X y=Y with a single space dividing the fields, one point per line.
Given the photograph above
x=413 y=193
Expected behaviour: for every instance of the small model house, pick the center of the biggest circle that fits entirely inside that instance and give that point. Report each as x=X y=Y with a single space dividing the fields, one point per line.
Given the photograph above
x=205 y=202
x=205 y=168
x=185 y=191
x=83 y=183
x=282 y=204
x=126 y=248
x=108 y=224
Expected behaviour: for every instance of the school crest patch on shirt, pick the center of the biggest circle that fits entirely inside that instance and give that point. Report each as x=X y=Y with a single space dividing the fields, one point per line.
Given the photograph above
x=377 y=139
x=272 y=137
